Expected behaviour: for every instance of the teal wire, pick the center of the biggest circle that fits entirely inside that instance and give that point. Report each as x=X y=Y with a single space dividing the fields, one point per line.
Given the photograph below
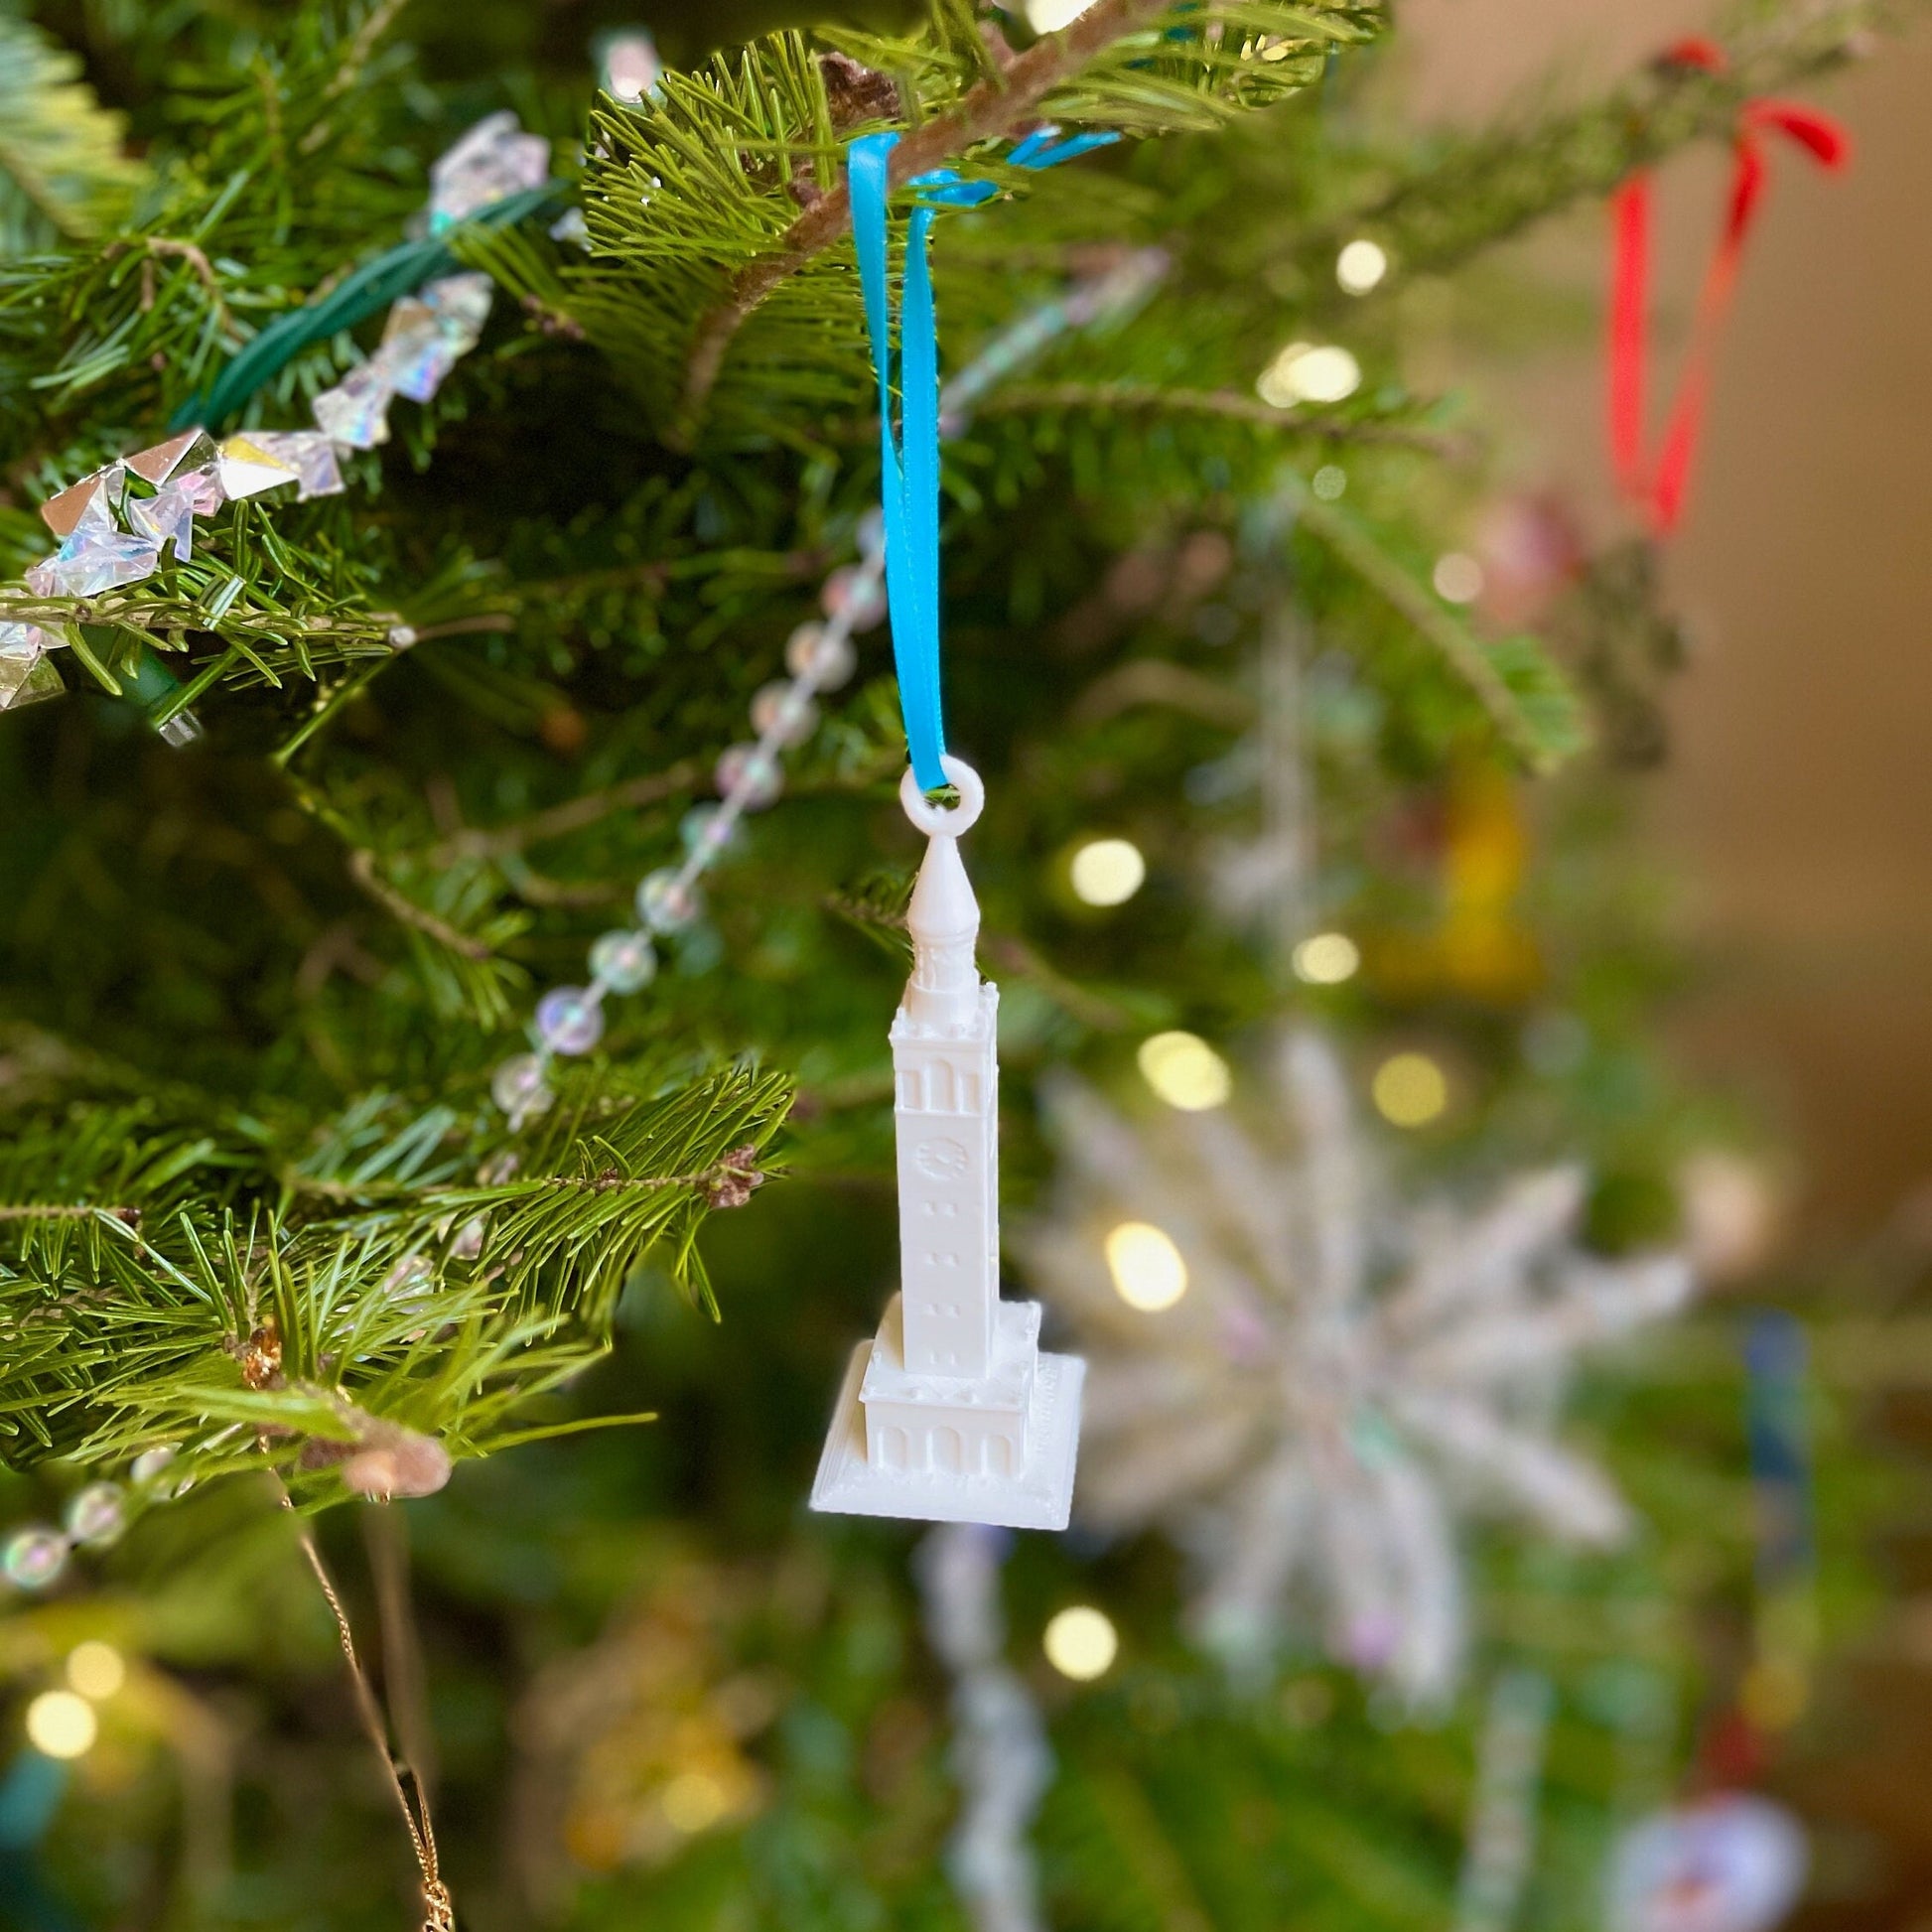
x=373 y=286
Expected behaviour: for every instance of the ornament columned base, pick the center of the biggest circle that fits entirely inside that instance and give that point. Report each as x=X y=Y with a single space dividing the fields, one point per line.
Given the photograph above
x=996 y=1450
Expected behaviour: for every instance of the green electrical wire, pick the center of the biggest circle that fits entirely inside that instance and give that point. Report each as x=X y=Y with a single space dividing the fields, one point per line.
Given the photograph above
x=373 y=286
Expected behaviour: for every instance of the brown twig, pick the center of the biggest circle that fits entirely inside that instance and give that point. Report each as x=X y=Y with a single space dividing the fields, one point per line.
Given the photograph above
x=1153 y=680
x=988 y=111
x=1020 y=397
x=68 y=1211
x=571 y=816
x=1459 y=648
x=362 y=869
x=498 y=620
x=187 y=251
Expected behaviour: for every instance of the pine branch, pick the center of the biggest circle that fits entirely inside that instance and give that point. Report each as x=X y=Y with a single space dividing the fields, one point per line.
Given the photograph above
x=993 y=108
x=1527 y=699
x=1026 y=398
x=62 y=171
x=362 y=865
x=1453 y=205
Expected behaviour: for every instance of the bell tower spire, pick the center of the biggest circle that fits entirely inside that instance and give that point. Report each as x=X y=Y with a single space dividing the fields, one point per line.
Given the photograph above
x=952 y=1414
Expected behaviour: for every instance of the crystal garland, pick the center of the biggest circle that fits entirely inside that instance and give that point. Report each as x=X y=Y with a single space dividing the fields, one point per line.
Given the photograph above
x=1000 y=1753
x=820 y=657
x=35 y=1557
x=114 y=525
x=1501 y=1843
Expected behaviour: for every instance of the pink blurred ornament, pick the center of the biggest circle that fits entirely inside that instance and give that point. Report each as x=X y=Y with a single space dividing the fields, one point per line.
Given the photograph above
x=1529 y=550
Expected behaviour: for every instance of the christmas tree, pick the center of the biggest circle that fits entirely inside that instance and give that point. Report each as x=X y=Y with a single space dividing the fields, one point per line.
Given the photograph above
x=448 y=1147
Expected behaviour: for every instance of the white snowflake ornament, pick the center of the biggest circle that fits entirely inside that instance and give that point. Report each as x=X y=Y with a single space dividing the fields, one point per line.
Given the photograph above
x=1308 y=1385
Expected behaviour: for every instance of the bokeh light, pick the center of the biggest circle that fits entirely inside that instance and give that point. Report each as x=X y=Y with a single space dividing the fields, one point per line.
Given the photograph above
x=1186 y=1072
x=1308 y=373
x=1149 y=1271
x=1360 y=266
x=1081 y=1642
x=61 y=1724
x=1108 y=872
x=1458 y=578
x=1327 y=958
x=95 y=1668
x=693 y=1801
x=1409 y=1091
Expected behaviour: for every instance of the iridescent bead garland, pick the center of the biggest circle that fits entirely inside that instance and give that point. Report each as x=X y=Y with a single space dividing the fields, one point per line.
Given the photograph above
x=750 y=776
x=34 y=1558
x=114 y=525
x=820 y=657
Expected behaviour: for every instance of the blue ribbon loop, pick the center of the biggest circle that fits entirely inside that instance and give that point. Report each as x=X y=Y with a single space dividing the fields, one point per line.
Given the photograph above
x=908 y=463
x=909 y=460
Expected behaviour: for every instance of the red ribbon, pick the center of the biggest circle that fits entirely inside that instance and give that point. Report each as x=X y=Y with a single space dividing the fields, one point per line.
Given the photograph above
x=1659 y=492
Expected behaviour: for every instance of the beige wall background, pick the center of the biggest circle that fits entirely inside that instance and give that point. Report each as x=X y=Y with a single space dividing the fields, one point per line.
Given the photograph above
x=1798 y=800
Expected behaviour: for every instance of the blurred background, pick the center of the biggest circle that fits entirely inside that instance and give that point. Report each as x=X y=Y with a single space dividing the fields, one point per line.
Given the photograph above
x=1796 y=807
x=1798 y=803
x=644 y=1621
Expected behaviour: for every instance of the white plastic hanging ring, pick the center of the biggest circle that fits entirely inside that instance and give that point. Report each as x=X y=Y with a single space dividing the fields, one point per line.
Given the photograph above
x=944 y=821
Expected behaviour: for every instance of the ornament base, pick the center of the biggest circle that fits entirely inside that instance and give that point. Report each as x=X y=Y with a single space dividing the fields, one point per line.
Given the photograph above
x=1038 y=1495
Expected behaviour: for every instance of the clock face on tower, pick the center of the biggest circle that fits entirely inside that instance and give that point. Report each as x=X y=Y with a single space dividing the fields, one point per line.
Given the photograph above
x=942 y=1160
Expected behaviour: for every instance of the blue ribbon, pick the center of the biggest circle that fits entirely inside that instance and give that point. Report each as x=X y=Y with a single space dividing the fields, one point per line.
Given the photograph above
x=909 y=461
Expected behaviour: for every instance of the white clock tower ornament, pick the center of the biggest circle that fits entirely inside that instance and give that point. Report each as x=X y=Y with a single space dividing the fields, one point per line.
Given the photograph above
x=951 y=1414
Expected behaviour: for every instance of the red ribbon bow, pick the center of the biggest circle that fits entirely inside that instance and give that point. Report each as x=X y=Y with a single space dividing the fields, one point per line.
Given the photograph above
x=1659 y=493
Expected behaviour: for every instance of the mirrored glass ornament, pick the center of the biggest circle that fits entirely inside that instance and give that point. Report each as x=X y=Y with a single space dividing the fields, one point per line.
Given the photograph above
x=570 y=1019
x=626 y=962
x=26 y=676
x=312 y=456
x=783 y=711
x=520 y=1086
x=460 y=303
x=666 y=903
x=494 y=161
x=88 y=505
x=247 y=466
x=355 y=412
x=167 y=517
x=855 y=595
x=97 y=1513
x=416 y=361
x=822 y=655
x=34 y=1559
x=193 y=449
x=751 y=774
x=92 y=561
x=201 y=488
